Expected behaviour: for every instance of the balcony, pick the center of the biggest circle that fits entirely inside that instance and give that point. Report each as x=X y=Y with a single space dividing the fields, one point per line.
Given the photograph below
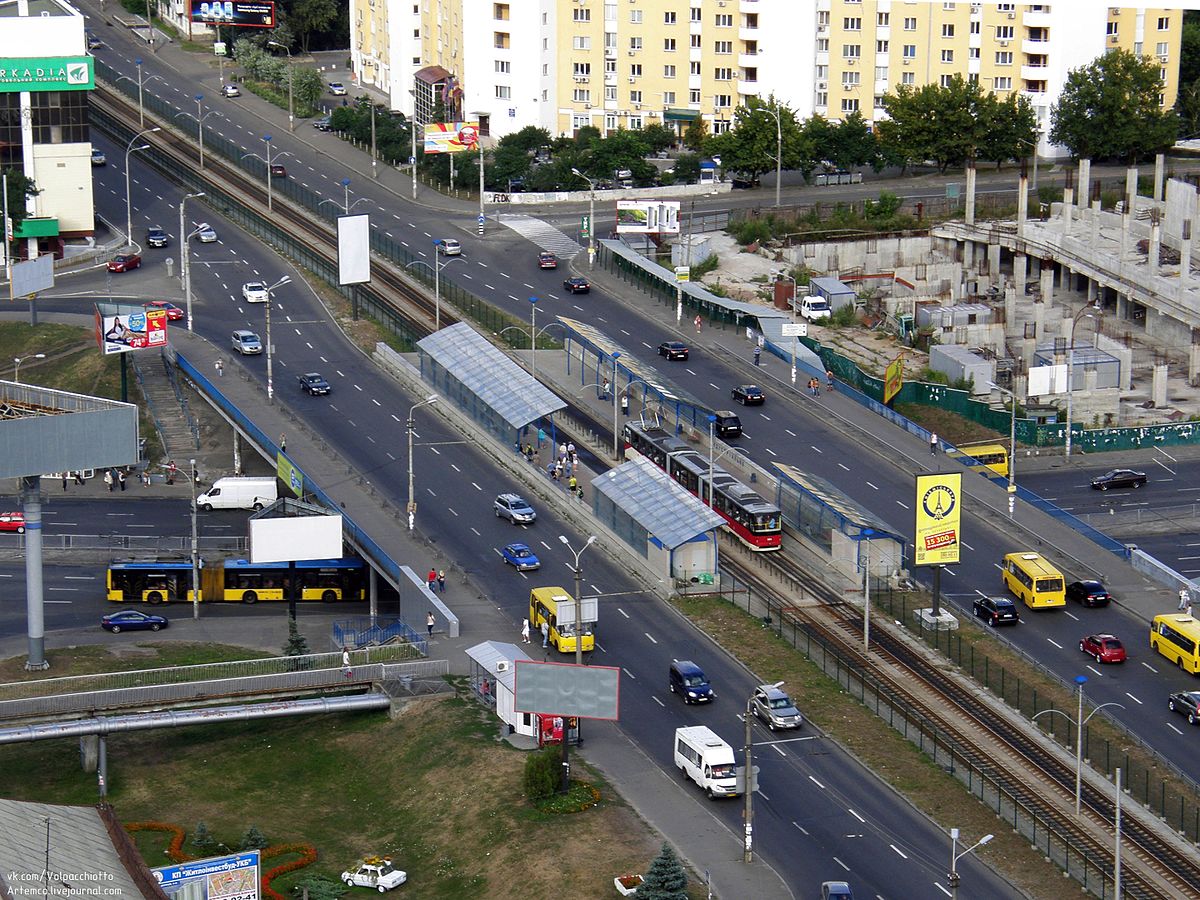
x=749 y=34
x=748 y=87
x=1035 y=73
x=1037 y=20
x=748 y=60
x=1035 y=48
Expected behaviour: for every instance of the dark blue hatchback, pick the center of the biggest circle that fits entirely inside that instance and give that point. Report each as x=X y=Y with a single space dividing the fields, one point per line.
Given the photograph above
x=689 y=681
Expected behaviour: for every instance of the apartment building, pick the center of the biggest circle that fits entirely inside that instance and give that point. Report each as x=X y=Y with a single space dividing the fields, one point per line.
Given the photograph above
x=566 y=64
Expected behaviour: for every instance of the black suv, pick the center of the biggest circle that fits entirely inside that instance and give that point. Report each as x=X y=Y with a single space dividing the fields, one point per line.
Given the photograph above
x=748 y=395
x=313 y=383
x=996 y=610
x=156 y=236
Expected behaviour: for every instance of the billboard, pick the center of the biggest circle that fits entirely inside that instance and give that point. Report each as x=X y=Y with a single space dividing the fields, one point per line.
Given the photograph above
x=565 y=689
x=354 y=249
x=232 y=877
x=939 y=519
x=120 y=329
x=233 y=12
x=893 y=379
x=451 y=137
x=647 y=217
x=47 y=73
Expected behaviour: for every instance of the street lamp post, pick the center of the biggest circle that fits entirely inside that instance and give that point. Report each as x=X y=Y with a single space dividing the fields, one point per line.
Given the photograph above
x=291 y=78
x=195 y=545
x=1012 y=447
x=129 y=150
x=1080 y=721
x=712 y=446
x=141 y=83
x=270 y=202
x=867 y=534
x=533 y=301
x=17 y=360
x=346 y=195
x=591 y=217
x=748 y=783
x=784 y=275
x=412 y=503
x=185 y=271
x=578 y=594
x=778 y=148
x=616 y=431
x=436 y=268
x=955 y=857
x=200 y=125
x=1097 y=313
x=286 y=279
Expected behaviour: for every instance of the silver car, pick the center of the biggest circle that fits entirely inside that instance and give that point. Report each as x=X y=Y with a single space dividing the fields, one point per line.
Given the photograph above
x=206 y=234
x=515 y=509
x=775 y=708
x=246 y=342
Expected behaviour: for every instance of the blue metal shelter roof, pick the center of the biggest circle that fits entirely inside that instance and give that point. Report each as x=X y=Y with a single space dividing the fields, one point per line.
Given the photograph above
x=656 y=502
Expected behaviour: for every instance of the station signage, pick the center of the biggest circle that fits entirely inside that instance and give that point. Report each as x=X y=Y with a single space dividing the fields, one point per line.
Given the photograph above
x=46 y=73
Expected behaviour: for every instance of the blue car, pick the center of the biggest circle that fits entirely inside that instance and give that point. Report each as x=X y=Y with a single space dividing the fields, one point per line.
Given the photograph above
x=132 y=620
x=520 y=557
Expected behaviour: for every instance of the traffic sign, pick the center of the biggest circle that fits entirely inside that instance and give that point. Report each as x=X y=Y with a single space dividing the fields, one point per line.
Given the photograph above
x=480 y=220
x=795 y=329
x=585 y=227
x=412 y=160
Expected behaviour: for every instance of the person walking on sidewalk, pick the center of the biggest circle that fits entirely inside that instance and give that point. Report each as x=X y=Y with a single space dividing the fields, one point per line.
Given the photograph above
x=283 y=442
x=442 y=580
x=121 y=476
x=545 y=634
x=624 y=404
x=171 y=470
x=79 y=477
x=697 y=323
x=525 y=631
x=829 y=379
x=220 y=367
x=431 y=580
x=346 y=670
x=757 y=356
x=108 y=479
x=1185 y=599
x=933 y=443
x=64 y=482
x=430 y=621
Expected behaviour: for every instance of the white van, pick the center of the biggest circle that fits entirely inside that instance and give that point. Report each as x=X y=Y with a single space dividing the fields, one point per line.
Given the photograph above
x=239 y=493
x=707 y=760
x=815 y=309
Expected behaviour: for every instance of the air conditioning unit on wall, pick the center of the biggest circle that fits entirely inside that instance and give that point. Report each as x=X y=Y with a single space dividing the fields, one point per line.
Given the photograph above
x=502 y=665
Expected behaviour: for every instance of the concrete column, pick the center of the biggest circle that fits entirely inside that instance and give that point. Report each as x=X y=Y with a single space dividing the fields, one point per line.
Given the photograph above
x=1158 y=385
x=1194 y=359
x=1131 y=174
x=1047 y=284
x=1068 y=208
x=1155 y=241
x=968 y=254
x=993 y=261
x=89 y=752
x=1095 y=223
x=1020 y=387
x=1122 y=307
x=1064 y=325
x=970 y=216
x=1020 y=272
x=1085 y=177
x=1022 y=201
x=1185 y=250
x=1028 y=348
x=35 y=620
x=1039 y=319
x=1159 y=174
x=237 y=453
x=1091 y=291
x=1010 y=311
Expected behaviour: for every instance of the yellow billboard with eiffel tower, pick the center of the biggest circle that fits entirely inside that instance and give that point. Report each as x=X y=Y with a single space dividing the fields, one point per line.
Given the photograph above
x=939 y=519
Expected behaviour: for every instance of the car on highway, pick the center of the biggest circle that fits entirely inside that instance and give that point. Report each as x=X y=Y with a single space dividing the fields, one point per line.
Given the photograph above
x=255 y=292
x=688 y=680
x=1187 y=703
x=449 y=247
x=836 y=890
x=174 y=313
x=749 y=395
x=547 y=260
x=996 y=610
x=1119 y=478
x=230 y=90
x=12 y=521
x=324 y=123
x=337 y=89
x=98 y=157
x=156 y=236
x=514 y=508
x=313 y=383
x=93 y=42
x=124 y=262
x=278 y=170
x=674 y=350
x=520 y=557
x=577 y=285
x=206 y=234
x=132 y=620
x=775 y=708
x=1088 y=593
x=246 y=343
x=1104 y=648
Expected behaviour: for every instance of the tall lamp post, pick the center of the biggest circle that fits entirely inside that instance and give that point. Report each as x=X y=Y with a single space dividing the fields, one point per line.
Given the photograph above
x=1088 y=311
x=1012 y=447
x=195 y=545
x=200 y=117
x=17 y=360
x=616 y=430
x=1080 y=721
x=141 y=84
x=748 y=783
x=955 y=856
x=591 y=217
x=412 y=503
x=578 y=594
x=129 y=150
x=291 y=78
x=286 y=279
x=781 y=275
x=778 y=148
x=185 y=243
x=533 y=302
x=436 y=268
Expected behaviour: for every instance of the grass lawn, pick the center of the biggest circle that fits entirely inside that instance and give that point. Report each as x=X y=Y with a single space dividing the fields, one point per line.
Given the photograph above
x=93 y=658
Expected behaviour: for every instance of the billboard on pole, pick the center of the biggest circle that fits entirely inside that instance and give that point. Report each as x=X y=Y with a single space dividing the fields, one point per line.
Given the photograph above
x=451 y=137
x=939 y=519
x=121 y=328
x=233 y=877
x=647 y=217
x=893 y=379
x=234 y=12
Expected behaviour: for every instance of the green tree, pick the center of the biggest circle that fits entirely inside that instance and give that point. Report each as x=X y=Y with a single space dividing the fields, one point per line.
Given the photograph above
x=20 y=187
x=297 y=645
x=202 y=839
x=666 y=879
x=541 y=774
x=1109 y=109
x=749 y=147
x=658 y=136
x=622 y=149
x=1189 y=48
x=309 y=16
x=254 y=839
x=1187 y=106
x=695 y=135
x=687 y=168
x=851 y=143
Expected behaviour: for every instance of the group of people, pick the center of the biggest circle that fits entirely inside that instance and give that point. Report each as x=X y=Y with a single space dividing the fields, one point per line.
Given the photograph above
x=814 y=387
x=525 y=633
x=437 y=580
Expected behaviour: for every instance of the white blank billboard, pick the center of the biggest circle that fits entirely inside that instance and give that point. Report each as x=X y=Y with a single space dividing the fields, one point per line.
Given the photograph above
x=1045 y=380
x=296 y=538
x=354 y=249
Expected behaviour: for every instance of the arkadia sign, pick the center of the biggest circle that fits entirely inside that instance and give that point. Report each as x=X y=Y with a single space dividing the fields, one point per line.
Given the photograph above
x=47 y=73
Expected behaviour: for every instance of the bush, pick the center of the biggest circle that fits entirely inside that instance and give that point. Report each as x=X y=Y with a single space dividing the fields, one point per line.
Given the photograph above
x=541 y=774
x=202 y=839
x=254 y=839
x=750 y=231
x=843 y=316
x=706 y=265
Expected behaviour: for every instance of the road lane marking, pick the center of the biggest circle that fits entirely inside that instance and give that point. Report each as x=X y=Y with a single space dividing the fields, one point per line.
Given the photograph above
x=857 y=816
x=792 y=433
x=902 y=854
x=1173 y=728
x=1055 y=643
x=477 y=487
x=651 y=637
x=817 y=783
x=628 y=674
x=659 y=702
x=622 y=612
x=1134 y=699
x=1150 y=667
x=842 y=864
x=873 y=487
x=1101 y=674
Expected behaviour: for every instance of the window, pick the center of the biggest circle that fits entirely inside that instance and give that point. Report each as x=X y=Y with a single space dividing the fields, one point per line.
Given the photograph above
x=583 y=69
x=724 y=20
x=909 y=51
x=503 y=92
x=1005 y=32
x=722 y=101
x=610 y=67
x=949 y=7
x=850 y=80
x=635 y=69
x=694 y=69
x=881 y=46
x=1006 y=7
x=849 y=104
x=852 y=23
x=500 y=11
x=668 y=18
x=881 y=73
x=580 y=121
x=947 y=56
x=695 y=17
x=972 y=53
x=668 y=98
x=910 y=24
x=635 y=43
x=823 y=19
x=908 y=78
x=1111 y=29
x=610 y=123
x=822 y=45
x=723 y=74
x=1003 y=84
x=669 y=45
x=851 y=51
x=882 y=19
x=693 y=96
x=946 y=80
x=581 y=43
x=1137 y=48
x=500 y=40
x=635 y=123
x=635 y=17
x=878 y=101
x=822 y=73
x=972 y=78
x=1164 y=23
x=503 y=66
x=610 y=92
x=976 y=27
x=723 y=47
x=947 y=29
x=720 y=126
x=635 y=96
x=668 y=71
x=582 y=95
x=695 y=42
x=821 y=98
x=1004 y=58
x=581 y=14
x=1160 y=49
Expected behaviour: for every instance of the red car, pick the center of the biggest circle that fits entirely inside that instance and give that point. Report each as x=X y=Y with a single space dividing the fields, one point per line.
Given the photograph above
x=124 y=262
x=174 y=313
x=1104 y=648
x=547 y=260
x=12 y=521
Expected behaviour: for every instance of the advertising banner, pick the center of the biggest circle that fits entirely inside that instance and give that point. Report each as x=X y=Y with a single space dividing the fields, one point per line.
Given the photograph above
x=893 y=379
x=938 y=519
x=647 y=217
x=233 y=12
x=451 y=137
x=232 y=877
x=47 y=73
x=132 y=328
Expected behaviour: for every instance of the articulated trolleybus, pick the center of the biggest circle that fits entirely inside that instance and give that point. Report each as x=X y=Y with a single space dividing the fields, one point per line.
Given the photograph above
x=754 y=520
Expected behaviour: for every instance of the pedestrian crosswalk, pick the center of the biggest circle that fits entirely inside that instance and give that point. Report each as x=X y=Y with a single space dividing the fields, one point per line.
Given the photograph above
x=543 y=234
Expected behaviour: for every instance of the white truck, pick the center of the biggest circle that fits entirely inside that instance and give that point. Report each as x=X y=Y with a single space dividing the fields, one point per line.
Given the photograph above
x=702 y=756
x=375 y=872
x=815 y=308
x=236 y=492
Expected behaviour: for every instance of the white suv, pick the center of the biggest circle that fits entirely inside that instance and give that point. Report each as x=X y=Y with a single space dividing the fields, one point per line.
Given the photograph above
x=255 y=292
x=515 y=509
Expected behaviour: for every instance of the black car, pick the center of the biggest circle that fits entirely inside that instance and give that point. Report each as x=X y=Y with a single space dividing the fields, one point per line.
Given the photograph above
x=132 y=620
x=1188 y=703
x=1088 y=593
x=313 y=383
x=748 y=395
x=674 y=350
x=325 y=123
x=1119 y=478
x=576 y=285
x=156 y=236
x=996 y=610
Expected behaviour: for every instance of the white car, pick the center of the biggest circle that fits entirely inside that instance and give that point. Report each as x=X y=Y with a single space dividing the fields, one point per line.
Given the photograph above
x=449 y=247
x=255 y=292
x=230 y=90
x=337 y=89
x=206 y=234
x=375 y=872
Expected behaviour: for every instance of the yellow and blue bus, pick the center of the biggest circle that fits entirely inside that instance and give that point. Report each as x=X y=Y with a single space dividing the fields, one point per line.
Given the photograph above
x=1034 y=581
x=1177 y=637
x=157 y=581
x=991 y=456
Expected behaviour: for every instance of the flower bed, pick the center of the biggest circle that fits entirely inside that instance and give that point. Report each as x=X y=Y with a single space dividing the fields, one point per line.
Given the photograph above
x=627 y=885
